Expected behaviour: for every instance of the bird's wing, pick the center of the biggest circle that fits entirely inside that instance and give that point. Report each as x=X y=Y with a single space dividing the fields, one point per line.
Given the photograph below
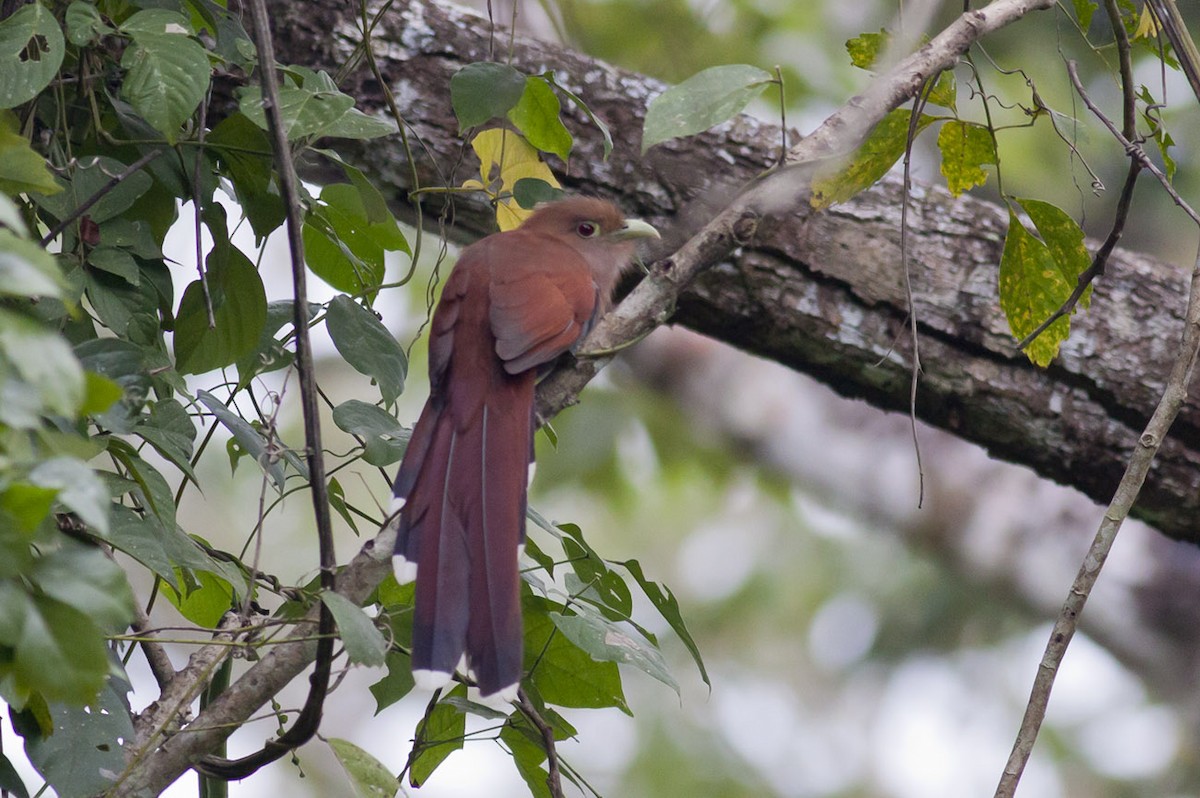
x=541 y=306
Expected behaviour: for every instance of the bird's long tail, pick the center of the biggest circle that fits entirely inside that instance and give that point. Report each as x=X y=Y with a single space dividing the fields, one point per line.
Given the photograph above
x=463 y=484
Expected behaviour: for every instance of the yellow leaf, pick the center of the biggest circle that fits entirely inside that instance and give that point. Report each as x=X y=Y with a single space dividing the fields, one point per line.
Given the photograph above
x=1148 y=26
x=504 y=158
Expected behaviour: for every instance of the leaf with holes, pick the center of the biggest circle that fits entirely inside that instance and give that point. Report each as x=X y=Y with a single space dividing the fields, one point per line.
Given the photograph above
x=31 y=51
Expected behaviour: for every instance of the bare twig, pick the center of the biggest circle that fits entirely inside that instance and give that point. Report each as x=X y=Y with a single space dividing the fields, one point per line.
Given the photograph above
x=553 y=776
x=1118 y=509
x=100 y=193
x=156 y=656
x=1131 y=147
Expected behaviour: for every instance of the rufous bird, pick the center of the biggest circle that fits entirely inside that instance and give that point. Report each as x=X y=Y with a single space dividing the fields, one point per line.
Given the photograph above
x=513 y=303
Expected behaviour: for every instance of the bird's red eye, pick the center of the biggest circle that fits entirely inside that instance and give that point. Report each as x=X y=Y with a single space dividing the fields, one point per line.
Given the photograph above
x=587 y=229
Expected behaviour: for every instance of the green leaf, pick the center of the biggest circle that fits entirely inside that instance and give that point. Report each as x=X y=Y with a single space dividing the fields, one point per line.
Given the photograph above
x=364 y=642
x=157 y=496
x=204 y=604
x=562 y=672
x=484 y=90
x=244 y=151
x=397 y=684
x=265 y=453
x=537 y=117
x=384 y=438
x=167 y=72
x=60 y=652
x=84 y=23
x=439 y=734
x=368 y=776
x=125 y=364
x=865 y=48
x=44 y=360
x=115 y=261
x=1084 y=9
x=26 y=504
x=10 y=780
x=100 y=394
x=314 y=108
x=22 y=170
x=965 y=148
x=10 y=215
x=529 y=192
x=84 y=578
x=605 y=587
x=79 y=489
x=337 y=500
x=144 y=538
x=528 y=756
x=1038 y=275
x=606 y=641
x=346 y=235
x=704 y=100
x=367 y=345
x=170 y=430
x=945 y=91
x=668 y=607
x=233 y=43
x=239 y=305
x=882 y=148
x=82 y=756
x=27 y=270
x=156 y=22
x=31 y=51
x=91 y=176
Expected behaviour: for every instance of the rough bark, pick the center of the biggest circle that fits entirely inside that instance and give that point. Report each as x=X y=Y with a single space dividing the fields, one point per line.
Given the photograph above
x=819 y=292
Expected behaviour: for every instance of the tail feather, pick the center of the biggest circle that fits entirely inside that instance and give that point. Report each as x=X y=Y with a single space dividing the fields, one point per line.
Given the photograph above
x=494 y=640
x=462 y=523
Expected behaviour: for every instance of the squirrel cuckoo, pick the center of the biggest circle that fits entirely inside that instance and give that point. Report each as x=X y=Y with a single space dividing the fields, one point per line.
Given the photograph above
x=513 y=303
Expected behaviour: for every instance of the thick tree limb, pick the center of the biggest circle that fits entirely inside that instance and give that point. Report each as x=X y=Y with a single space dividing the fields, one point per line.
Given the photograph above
x=823 y=293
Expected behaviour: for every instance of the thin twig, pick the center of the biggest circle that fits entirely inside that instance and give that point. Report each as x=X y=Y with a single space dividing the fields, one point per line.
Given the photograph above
x=200 y=131
x=1125 y=202
x=108 y=186
x=1118 y=509
x=1131 y=147
x=915 y=372
x=553 y=776
x=1169 y=405
x=307 y=723
x=156 y=656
